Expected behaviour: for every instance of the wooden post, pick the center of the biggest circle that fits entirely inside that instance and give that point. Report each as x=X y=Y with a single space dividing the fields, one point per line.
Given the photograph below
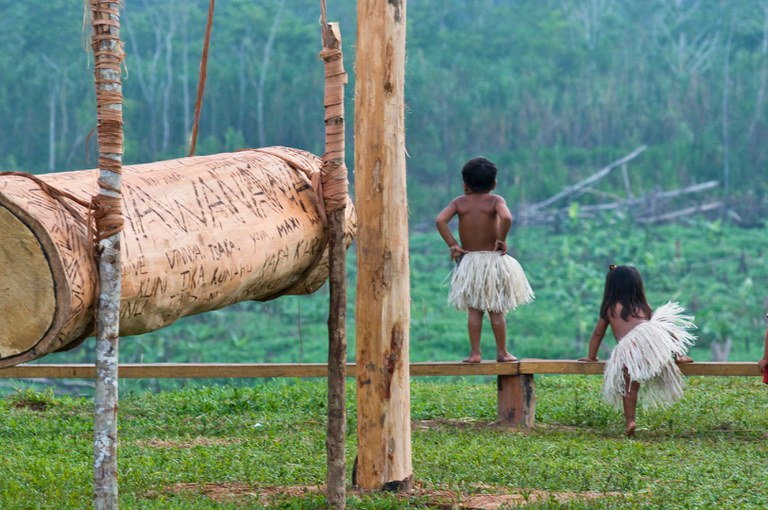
x=516 y=400
x=108 y=56
x=383 y=294
x=335 y=193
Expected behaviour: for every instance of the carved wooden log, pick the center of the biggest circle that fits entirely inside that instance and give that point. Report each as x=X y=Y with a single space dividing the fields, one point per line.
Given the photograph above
x=200 y=233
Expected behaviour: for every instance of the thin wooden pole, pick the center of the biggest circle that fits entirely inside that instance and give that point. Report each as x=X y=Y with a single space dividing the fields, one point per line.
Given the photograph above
x=383 y=294
x=108 y=56
x=335 y=195
x=201 y=79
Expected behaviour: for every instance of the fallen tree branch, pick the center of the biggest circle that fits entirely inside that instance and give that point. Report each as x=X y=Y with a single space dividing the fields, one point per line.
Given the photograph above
x=543 y=217
x=571 y=190
x=682 y=212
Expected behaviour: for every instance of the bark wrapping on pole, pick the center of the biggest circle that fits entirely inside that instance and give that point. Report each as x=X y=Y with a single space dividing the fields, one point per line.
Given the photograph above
x=200 y=234
x=108 y=57
x=383 y=294
x=335 y=196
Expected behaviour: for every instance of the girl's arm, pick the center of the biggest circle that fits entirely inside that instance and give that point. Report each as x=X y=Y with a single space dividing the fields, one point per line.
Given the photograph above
x=596 y=339
x=764 y=360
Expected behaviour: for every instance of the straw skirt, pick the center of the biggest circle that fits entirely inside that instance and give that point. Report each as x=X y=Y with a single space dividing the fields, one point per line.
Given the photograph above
x=648 y=352
x=489 y=281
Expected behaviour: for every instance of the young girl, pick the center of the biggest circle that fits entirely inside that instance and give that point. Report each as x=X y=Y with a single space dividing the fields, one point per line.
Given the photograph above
x=649 y=344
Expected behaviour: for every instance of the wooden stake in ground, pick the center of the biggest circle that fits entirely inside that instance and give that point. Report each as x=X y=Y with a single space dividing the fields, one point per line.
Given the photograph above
x=383 y=294
x=335 y=194
x=108 y=56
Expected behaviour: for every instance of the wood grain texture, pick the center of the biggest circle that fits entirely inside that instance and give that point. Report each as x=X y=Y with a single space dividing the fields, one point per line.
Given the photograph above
x=383 y=283
x=201 y=233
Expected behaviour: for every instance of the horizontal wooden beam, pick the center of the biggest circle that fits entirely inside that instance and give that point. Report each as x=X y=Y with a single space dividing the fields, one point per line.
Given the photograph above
x=547 y=366
x=724 y=369
x=259 y=370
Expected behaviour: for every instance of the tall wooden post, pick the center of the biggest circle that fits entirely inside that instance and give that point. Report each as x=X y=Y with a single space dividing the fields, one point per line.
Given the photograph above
x=383 y=294
x=108 y=56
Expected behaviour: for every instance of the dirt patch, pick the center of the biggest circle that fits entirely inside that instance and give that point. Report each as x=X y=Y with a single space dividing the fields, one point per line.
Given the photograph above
x=32 y=405
x=462 y=424
x=497 y=501
x=442 y=499
x=240 y=491
x=187 y=443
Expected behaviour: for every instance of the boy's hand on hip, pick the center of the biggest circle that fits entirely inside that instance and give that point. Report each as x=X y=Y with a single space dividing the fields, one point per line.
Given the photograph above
x=457 y=251
x=501 y=246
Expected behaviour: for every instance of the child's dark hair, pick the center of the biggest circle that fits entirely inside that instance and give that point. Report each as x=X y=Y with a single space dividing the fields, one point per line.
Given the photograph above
x=479 y=174
x=623 y=284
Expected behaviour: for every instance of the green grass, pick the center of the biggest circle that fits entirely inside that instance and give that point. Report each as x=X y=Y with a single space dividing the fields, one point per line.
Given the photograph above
x=263 y=447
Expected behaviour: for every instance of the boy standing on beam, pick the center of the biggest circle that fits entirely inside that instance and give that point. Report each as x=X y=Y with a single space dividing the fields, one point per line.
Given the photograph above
x=485 y=278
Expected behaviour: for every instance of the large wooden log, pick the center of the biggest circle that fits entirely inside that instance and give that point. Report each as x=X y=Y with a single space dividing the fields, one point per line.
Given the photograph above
x=200 y=233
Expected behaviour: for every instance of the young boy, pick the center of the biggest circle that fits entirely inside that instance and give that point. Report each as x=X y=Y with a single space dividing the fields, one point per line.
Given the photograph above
x=485 y=278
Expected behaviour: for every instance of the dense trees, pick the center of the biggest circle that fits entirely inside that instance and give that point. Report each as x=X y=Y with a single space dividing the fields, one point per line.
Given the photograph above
x=552 y=90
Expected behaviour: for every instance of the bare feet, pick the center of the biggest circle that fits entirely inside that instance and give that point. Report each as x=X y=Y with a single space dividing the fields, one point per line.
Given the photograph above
x=682 y=358
x=505 y=358
x=630 y=432
x=473 y=358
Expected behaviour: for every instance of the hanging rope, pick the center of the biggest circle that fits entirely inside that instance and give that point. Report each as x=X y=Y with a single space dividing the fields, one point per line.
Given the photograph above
x=201 y=80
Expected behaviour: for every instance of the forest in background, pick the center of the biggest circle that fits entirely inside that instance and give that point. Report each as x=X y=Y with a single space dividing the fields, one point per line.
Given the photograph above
x=553 y=91
x=550 y=90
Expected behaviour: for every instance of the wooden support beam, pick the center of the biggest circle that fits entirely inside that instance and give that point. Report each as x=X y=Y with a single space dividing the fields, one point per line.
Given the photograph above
x=307 y=370
x=545 y=366
x=724 y=369
x=516 y=404
x=383 y=282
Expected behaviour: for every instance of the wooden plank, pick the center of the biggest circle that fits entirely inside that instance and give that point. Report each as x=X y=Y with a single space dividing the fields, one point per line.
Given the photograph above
x=259 y=370
x=546 y=366
x=723 y=369
x=457 y=368
x=174 y=370
x=69 y=371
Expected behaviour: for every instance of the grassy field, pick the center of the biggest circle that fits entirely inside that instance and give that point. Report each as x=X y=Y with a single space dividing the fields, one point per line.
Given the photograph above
x=263 y=447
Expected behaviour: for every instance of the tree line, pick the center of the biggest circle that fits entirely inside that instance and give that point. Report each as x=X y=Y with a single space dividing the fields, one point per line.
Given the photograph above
x=550 y=90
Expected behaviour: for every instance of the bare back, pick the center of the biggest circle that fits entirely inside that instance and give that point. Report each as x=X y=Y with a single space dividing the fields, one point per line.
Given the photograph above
x=480 y=217
x=621 y=327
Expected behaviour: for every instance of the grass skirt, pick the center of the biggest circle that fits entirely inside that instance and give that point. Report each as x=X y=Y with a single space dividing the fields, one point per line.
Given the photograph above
x=489 y=281
x=648 y=354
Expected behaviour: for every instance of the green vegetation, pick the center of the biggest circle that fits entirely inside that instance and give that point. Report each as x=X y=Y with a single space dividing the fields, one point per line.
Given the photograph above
x=263 y=447
x=551 y=90
x=716 y=271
